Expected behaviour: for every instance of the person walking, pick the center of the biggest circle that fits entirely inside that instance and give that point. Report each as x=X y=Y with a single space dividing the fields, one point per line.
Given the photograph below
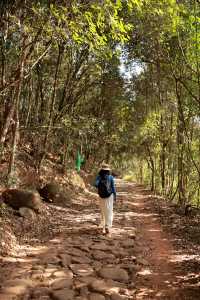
x=107 y=193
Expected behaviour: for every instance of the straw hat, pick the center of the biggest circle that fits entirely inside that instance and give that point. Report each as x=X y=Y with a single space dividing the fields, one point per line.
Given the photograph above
x=105 y=167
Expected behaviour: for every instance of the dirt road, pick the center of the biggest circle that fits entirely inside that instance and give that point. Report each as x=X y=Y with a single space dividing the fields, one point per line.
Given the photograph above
x=137 y=262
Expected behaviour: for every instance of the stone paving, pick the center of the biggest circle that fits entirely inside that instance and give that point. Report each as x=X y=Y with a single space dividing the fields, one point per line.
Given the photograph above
x=80 y=263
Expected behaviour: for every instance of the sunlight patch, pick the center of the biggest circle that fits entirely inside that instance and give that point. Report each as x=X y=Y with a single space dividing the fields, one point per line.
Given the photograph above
x=154 y=230
x=182 y=257
x=145 y=272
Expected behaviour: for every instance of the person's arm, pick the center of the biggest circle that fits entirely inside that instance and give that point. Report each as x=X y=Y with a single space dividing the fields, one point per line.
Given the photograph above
x=113 y=187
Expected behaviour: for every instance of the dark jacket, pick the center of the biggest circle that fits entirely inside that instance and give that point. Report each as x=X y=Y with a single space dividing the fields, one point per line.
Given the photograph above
x=104 y=174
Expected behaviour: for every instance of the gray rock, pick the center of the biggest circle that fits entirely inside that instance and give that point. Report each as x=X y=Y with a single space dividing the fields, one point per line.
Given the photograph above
x=81 y=269
x=27 y=213
x=65 y=294
x=64 y=274
x=114 y=273
x=80 y=260
x=65 y=259
x=102 y=286
x=101 y=255
x=61 y=284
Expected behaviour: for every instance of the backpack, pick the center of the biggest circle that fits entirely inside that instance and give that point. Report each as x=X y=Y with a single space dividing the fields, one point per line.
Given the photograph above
x=104 y=187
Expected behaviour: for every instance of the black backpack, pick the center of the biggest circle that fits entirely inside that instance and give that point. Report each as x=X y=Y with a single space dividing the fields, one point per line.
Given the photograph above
x=104 y=187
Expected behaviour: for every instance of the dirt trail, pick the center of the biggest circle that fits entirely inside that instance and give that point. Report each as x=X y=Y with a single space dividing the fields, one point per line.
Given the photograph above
x=137 y=262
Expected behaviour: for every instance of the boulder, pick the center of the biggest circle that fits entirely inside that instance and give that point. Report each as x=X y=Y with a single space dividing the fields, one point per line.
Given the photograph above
x=20 y=198
x=49 y=192
x=52 y=192
x=26 y=213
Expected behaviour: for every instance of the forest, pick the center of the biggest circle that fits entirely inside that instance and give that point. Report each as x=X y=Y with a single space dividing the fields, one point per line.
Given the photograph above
x=86 y=84
x=117 y=80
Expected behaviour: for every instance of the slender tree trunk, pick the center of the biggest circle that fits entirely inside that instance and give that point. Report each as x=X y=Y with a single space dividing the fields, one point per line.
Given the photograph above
x=51 y=111
x=162 y=155
x=152 y=167
x=180 y=145
x=30 y=103
x=7 y=124
x=140 y=171
x=16 y=127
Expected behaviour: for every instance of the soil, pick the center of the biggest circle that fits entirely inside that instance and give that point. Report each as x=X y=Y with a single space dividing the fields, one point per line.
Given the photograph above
x=62 y=254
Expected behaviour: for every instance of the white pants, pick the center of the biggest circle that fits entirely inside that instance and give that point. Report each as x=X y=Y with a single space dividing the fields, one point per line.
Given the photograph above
x=106 y=208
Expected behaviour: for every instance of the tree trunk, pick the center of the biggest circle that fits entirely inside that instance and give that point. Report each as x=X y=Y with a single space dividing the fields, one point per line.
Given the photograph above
x=180 y=145
x=152 y=167
x=16 y=109
x=43 y=155
x=162 y=155
x=6 y=125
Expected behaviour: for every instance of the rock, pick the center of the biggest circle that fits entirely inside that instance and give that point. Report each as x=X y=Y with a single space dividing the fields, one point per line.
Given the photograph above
x=49 y=191
x=37 y=267
x=100 y=255
x=16 y=286
x=120 y=252
x=50 y=260
x=97 y=265
x=80 y=260
x=99 y=285
x=128 y=243
x=65 y=294
x=52 y=192
x=81 y=269
x=20 y=198
x=130 y=266
x=37 y=274
x=100 y=246
x=95 y=296
x=142 y=261
x=78 y=285
x=84 y=291
x=118 y=297
x=87 y=279
x=114 y=273
x=40 y=291
x=67 y=274
x=61 y=284
x=51 y=269
x=84 y=248
x=76 y=252
x=65 y=259
x=102 y=286
x=27 y=212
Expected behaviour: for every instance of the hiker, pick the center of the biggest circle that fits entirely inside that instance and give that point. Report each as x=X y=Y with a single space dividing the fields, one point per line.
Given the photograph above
x=107 y=193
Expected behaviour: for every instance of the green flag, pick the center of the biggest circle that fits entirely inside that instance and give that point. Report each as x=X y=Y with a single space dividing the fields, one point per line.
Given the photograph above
x=79 y=161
